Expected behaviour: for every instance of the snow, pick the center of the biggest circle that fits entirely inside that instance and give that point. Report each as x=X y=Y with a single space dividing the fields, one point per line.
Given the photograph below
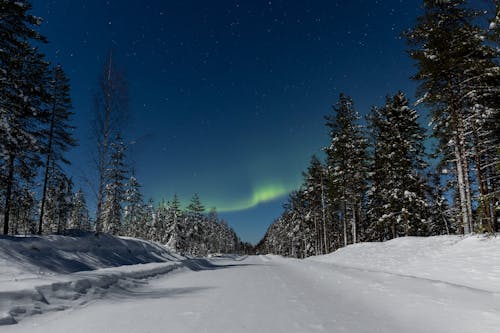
x=435 y=284
x=64 y=268
x=472 y=261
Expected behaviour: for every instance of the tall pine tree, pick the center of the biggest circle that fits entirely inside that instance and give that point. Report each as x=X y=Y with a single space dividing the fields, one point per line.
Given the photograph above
x=59 y=132
x=397 y=200
x=347 y=165
x=115 y=189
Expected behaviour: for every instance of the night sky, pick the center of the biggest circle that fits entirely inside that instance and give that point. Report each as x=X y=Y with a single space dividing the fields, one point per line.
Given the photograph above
x=227 y=97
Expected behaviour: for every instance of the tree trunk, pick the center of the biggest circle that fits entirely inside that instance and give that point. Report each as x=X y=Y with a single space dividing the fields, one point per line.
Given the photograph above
x=461 y=188
x=482 y=184
x=468 y=195
x=353 y=207
x=47 y=163
x=323 y=209
x=8 y=194
x=344 y=221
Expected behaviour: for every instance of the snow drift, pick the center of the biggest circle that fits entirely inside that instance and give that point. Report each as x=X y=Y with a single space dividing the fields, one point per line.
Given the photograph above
x=469 y=261
x=40 y=274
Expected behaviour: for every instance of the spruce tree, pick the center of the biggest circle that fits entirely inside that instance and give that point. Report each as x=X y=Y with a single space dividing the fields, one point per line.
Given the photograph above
x=347 y=165
x=315 y=194
x=110 y=113
x=115 y=189
x=23 y=94
x=176 y=230
x=133 y=210
x=59 y=132
x=397 y=200
x=59 y=202
x=79 y=217
x=458 y=80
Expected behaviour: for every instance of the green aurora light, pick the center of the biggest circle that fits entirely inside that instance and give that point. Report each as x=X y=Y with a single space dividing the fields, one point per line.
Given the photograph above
x=261 y=194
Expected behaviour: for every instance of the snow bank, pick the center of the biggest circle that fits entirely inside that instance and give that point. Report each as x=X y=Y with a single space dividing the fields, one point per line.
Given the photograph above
x=40 y=274
x=471 y=261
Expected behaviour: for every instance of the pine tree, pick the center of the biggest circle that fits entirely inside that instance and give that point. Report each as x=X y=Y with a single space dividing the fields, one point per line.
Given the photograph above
x=397 y=201
x=58 y=202
x=133 y=210
x=163 y=220
x=441 y=221
x=457 y=71
x=79 y=217
x=315 y=194
x=347 y=165
x=196 y=223
x=23 y=81
x=175 y=229
x=110 y=112
x=149 y=221
x=115 y=189
x=59 y=133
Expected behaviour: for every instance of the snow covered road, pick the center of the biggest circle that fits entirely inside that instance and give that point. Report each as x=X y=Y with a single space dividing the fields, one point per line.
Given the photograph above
x=274 y=294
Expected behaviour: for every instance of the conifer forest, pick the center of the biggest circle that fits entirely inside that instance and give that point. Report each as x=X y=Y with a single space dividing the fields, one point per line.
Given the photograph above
x=249 y=166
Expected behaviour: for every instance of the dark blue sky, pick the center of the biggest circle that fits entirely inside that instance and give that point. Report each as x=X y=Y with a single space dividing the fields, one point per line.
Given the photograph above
x=227 y=97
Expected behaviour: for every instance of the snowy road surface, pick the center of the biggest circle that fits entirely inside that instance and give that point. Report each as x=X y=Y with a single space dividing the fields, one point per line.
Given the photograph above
x=274 y=294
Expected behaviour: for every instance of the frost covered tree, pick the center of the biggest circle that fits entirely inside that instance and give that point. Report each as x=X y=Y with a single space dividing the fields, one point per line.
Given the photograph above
x=441 y=217
x=458 y=78
x=347 y=165
x=397 y=204
x=162 y=221
x=79 y=218
x=110 y=111
x=24 y=207
x=149 y=220
x=23 y=94
x=133 y=212
x=59 y=203
x=195 y=222
x=314 y=189
x=175 y=229
x=115 y=189
x=59 y=134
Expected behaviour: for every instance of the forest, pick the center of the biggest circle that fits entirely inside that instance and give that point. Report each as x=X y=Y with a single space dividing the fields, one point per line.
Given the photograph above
x=36 y=130
x=384 y=176
x=389 y=175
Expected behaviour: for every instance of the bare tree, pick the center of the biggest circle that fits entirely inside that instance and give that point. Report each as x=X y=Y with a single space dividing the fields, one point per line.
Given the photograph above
x=111 y=101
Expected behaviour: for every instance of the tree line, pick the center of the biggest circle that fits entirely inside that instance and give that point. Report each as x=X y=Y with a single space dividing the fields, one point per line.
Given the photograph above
x=37 y=196
x=378 y=180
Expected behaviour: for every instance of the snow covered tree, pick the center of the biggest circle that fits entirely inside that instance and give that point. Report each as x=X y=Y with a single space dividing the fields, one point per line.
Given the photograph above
x=347 y=165
x=441 y=218
x=24 y=207
x=176 y=230
x=59 y=132
x=115 y=189
x=134 y=209
x=149 y=220
x=195 y=222
x=79 y=218
x=23 y=80
x=162 y=221
x=110 y=111
x=59 y=203
x=458 y=79
x=314 y=189
x=397 y=199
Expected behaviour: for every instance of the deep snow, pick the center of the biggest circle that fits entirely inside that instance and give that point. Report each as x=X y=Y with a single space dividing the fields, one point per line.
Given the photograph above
x=405 y=285
x=471 y=261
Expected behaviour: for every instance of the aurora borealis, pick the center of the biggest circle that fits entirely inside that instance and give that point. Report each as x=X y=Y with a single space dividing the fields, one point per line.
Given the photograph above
x=227 y=97
x=259 y=195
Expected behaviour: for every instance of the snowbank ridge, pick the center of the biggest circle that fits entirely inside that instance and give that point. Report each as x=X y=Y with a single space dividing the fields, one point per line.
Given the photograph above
x=52 y=273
